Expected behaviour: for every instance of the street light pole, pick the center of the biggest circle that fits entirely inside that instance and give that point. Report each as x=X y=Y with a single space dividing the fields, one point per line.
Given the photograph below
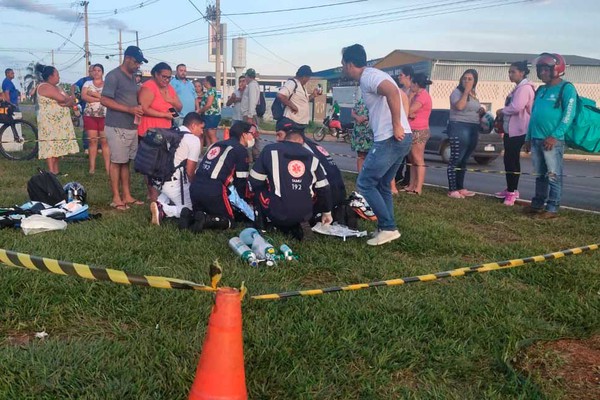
x=218 y=46
x=87 y=39
x=87 y=53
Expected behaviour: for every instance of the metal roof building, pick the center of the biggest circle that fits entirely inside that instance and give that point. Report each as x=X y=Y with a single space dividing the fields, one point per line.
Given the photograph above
x=445 y=68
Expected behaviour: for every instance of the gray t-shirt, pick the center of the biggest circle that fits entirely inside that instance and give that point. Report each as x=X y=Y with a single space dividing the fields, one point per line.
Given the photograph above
x=469 y=113
x=121 y=88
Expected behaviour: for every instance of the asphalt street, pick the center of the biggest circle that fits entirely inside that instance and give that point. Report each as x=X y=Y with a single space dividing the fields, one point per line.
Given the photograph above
x=581 y=193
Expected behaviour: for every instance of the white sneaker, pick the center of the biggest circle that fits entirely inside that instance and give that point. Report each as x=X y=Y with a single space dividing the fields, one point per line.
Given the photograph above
x=383 y=237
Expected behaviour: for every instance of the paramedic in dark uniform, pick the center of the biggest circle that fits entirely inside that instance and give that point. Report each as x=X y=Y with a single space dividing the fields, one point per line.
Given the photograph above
x=224 y=163
x=284 y=180
x=340 y=212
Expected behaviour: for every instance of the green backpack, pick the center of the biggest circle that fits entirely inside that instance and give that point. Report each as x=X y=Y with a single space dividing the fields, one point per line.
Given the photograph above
x=584 y=133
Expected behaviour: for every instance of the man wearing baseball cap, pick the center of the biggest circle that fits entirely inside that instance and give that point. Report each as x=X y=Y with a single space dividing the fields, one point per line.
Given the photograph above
x=119 y=96
x=295 y=98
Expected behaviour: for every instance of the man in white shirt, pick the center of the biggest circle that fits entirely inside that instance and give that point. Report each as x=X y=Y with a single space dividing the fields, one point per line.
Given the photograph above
x=175 y=193
x=250 y=99
x=236 y=100
x=388 y=108
x=295 y=98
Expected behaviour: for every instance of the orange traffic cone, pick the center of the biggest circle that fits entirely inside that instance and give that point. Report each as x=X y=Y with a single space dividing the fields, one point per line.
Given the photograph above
x=220 y=374
x=225 y=133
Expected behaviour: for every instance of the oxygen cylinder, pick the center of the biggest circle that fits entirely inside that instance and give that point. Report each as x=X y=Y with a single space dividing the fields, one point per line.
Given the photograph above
x=286 y=252
x=241 y=249
x=263 y=249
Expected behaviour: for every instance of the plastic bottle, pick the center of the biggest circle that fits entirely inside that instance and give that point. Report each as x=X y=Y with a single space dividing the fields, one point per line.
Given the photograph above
x=286 y=252
x=247 y=235
x=242 y=250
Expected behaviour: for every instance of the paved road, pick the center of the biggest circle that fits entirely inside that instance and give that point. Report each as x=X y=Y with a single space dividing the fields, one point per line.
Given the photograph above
x=577 y=192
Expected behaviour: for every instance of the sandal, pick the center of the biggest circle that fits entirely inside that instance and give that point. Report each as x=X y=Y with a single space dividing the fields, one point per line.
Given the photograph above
x=413 y=192
x=120 y=207
x=134 y=203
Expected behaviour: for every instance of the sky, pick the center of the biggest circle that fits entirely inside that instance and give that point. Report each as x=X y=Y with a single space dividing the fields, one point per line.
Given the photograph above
x=279 y=42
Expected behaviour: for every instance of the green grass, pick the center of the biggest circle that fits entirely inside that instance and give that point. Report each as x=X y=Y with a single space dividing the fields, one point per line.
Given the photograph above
x=450 y=339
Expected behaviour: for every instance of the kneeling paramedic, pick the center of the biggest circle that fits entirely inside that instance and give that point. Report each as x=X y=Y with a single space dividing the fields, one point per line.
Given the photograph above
x=284 y=180
x=225 y=163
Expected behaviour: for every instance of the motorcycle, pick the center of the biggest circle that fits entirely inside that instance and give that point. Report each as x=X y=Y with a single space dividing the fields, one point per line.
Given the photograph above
x=76 y=115
x=333 y=126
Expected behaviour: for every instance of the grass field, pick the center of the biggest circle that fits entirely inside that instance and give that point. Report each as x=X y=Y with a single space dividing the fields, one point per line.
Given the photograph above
x=451 y=339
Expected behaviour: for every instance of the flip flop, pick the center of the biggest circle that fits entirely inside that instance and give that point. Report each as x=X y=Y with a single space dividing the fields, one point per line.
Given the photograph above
x=135 y=203
x=120 y=207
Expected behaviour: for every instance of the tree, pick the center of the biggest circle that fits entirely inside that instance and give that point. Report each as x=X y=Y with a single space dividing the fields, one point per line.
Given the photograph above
x=30 y=81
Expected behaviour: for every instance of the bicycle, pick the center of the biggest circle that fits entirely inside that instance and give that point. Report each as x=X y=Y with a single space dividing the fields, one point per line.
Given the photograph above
x=18 y=137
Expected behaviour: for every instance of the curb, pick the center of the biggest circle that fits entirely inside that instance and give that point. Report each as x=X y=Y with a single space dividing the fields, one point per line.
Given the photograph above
x=570 y=157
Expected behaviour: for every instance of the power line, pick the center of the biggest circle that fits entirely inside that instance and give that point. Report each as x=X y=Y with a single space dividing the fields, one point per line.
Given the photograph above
x=294 y=9
x=260 y=44
x=367 y=17
x=286 y=29
x=394 y=19
x=156 y=34
x=123 y=9
x=436 y=7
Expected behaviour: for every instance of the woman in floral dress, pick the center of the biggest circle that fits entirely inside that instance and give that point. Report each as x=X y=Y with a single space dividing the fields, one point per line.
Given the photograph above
x=55 y=128
x=209 y=107
x=361 y=138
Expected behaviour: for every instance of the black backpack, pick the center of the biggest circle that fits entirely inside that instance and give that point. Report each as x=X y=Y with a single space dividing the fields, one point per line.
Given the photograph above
x=156 y=153
x=277 y=108
x=45 y=187
x=261 y=107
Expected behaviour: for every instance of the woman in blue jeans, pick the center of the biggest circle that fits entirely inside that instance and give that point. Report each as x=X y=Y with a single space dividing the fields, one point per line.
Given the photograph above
x=463 y=132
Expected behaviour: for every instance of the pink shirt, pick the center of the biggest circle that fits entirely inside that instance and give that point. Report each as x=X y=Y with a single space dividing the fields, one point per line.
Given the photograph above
x=421 y=116
x=158 y=104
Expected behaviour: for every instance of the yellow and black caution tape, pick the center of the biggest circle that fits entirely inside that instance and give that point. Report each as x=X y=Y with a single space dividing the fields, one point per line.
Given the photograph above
x=432 y=277
x=58 y=267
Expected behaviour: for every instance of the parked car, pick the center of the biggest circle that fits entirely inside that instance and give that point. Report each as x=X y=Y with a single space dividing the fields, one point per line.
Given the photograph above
x=489 y=146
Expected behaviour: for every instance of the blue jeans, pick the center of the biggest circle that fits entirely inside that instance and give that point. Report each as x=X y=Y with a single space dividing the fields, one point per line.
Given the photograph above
x=463 y=140
x=380 y=167
x=548 y=166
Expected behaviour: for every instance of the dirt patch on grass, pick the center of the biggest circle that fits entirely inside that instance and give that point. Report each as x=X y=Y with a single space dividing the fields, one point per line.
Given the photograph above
x=572 y=366
x=494 y=232
x=17 y=339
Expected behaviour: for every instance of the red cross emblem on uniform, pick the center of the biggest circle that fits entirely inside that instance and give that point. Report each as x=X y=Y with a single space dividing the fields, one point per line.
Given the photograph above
x=296 y=168
x=213 y=153
x=323 y=151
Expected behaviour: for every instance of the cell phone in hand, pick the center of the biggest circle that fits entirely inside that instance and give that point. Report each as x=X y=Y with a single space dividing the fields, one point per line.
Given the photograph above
x=173 y=112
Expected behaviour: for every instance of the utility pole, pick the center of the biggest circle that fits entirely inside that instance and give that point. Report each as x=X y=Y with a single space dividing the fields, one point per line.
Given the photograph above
x=52 y=51
x=87 y=39
x=120 y=49
x=218 y=44
x=137 y=39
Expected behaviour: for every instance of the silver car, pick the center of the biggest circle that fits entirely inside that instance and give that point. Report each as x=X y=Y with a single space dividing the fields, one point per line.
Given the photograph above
x=489 y=146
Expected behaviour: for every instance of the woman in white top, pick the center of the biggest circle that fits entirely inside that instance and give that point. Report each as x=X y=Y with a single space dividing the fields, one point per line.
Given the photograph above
x=93 y=117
